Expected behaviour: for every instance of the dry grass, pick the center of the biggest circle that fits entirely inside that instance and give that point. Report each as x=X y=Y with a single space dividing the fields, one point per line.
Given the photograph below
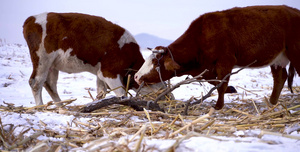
x=123 y=133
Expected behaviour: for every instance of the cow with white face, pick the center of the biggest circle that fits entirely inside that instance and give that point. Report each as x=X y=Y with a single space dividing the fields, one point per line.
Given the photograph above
x=221 y=41
x=72 y=43
x=155 y=65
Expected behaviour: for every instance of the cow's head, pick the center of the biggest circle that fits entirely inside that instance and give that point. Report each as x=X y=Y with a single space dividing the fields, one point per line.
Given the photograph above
x=161 y=60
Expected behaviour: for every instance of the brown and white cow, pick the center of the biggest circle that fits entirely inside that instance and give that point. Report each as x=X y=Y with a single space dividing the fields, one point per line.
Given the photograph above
x=72 y=43
x=221 y=41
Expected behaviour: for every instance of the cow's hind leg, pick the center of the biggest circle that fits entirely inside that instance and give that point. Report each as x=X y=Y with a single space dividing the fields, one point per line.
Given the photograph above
x=39 y=76
x=279 y=77
x=293 y=54
x=36 y=82
x=51 y=84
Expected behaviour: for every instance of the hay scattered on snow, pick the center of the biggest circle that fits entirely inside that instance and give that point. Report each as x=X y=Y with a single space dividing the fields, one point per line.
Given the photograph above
x=120 y=133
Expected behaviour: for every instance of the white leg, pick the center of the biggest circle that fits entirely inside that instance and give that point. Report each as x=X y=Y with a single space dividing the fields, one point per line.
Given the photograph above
x=36 y=91
x=101 y=86
x=113 y=83
x=39 y=76
x=36 y=83
x=101 y=89
x=51 y=85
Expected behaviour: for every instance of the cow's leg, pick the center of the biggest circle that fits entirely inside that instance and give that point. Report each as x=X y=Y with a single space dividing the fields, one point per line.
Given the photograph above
x=222 y=69
x=297 y=66
x=51 y=85
x=293 y=54
x=230 y=89
x=114 y=84
x=36 y=84
x=101 y=86
x=221 y=91
x=279 y=77
x=37 y=80
x=101 y=89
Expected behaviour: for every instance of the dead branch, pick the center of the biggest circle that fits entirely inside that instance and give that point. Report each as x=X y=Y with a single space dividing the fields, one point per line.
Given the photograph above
x=186 y=81
x=135 y=103
x=138 y=104
x=214 y=88
x=139 y=89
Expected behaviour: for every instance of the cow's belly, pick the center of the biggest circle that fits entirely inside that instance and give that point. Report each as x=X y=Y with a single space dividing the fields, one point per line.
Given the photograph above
x=280 y=60
x=71 y=64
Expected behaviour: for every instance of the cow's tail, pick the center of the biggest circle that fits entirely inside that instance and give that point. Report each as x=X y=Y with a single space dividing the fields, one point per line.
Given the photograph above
x=291 y=74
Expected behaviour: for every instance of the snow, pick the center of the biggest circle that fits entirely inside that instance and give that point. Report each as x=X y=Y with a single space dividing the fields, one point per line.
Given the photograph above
x=15 y=70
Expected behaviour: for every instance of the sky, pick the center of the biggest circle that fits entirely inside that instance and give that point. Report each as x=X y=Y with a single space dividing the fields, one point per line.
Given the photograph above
x=163 y=18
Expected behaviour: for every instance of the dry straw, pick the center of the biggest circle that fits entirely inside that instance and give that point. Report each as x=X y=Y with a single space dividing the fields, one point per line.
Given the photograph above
x=121 y=132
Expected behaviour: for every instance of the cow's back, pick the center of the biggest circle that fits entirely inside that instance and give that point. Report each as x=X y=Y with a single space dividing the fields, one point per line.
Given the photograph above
x=89 y=36
x=90 y=39
x=247 y=32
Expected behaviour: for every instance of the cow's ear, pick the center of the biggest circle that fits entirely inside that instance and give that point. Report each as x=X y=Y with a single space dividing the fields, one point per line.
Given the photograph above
x=171 y=65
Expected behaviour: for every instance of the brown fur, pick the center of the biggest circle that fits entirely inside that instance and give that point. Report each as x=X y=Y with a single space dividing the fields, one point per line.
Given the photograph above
x=33 y=36
x=90 y=37
x=93 y=40
x=220 y=41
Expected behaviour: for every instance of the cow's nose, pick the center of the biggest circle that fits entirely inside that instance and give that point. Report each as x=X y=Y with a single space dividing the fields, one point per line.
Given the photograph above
x=136 y=78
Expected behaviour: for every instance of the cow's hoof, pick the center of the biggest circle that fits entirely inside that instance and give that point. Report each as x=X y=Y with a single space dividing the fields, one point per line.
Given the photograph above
x=230 y=89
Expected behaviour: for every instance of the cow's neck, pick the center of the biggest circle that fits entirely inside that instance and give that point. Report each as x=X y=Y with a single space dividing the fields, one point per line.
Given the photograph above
x=184 y=52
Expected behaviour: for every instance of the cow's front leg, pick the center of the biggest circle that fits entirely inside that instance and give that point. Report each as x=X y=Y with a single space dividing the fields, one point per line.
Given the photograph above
x=101 y=89
x=114 y=84
x=221 y=91
x=222 y=70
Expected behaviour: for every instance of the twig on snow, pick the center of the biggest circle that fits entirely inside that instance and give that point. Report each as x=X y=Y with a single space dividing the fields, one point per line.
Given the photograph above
x=187 y=81
x=135 y=103
x=214 y=88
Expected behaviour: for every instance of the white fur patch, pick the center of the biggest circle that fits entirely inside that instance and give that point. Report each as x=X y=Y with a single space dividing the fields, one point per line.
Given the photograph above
x=146 y=67
x=126 y=38
x=42 y=20
x=113 y=83
x=65 y=62
x=281 y=60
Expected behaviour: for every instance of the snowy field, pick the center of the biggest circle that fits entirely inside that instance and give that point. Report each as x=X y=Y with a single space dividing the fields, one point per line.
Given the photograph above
x=15 y=70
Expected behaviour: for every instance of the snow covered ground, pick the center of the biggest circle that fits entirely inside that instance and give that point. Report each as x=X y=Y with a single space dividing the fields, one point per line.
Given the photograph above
x=15 y=70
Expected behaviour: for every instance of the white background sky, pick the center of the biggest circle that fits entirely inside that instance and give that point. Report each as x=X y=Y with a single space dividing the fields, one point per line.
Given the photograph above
x=164 y=18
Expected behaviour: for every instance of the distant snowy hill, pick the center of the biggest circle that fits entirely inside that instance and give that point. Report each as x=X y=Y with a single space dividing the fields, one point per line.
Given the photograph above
x=146 y=40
